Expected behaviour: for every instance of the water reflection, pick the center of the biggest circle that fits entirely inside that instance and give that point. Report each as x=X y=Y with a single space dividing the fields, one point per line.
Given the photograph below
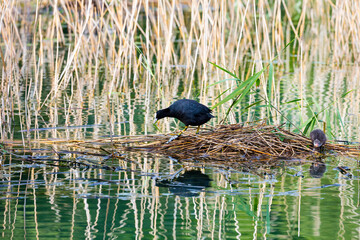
x=317 y=169
x=204 y=200
x=188 y=184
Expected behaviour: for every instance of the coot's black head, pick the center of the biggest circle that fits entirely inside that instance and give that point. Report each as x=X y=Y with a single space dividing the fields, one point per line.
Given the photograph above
x=162 y=114
x=318 y=138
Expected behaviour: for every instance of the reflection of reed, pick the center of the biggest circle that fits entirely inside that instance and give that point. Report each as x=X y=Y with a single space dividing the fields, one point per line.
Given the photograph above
x=35 y=214
x=299 y=205
x=132 y=203
x=342 y=198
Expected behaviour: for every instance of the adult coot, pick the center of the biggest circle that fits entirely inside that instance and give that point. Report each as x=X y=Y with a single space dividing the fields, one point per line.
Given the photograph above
x=318 y=138
x=188 y=111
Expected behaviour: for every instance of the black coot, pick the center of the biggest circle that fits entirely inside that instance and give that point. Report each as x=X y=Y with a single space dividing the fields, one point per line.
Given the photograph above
x=318 y=138
x=188 y=111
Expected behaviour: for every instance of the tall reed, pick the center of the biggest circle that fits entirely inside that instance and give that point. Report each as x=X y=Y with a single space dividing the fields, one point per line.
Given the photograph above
x=74 y=52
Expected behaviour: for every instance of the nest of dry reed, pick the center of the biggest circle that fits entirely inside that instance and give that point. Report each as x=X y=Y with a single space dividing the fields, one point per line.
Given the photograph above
x=234 y=143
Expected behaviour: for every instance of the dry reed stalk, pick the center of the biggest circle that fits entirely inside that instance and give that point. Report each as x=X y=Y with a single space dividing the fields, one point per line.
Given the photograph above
x=232 y=142
x=233 y=146
x=105 y=37
x=226 y=143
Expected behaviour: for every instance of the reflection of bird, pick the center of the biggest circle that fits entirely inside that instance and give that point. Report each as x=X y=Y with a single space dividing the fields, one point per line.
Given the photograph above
x=318 y=138
x=189 y=184
x=194 y=178
x=317 y=169
x=188 y=111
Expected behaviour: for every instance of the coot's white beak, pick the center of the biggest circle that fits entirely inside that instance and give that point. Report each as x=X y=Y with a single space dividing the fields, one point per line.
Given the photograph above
x=317 y=143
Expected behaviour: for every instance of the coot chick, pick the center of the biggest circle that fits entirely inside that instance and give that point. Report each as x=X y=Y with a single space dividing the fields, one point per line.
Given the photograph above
x=188 y=111
x=318 y=138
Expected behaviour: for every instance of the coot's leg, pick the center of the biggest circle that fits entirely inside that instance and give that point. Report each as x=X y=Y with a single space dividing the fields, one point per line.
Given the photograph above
x=198 y=129
x=178 y=135
x=186 y=127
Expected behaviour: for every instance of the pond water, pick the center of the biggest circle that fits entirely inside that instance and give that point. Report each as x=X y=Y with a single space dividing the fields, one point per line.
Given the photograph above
x=289 y=199
x=146 y=196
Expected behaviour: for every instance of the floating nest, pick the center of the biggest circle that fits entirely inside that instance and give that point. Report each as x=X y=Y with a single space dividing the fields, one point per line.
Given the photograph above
x=247 y=147
x=232 y=143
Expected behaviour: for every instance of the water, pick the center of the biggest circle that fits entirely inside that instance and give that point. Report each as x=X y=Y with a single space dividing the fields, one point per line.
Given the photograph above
x=146 y=196
x=288 y=199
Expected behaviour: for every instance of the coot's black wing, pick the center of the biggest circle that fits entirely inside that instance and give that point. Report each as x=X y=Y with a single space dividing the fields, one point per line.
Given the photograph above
x=190 y=112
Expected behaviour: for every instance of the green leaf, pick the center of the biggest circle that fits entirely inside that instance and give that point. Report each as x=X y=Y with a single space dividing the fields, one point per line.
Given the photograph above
x=344 y=95
x=251 y=105
x=252 y=80
x=310 y=124
x=340 y=119
x=222 y=93
x=225 y=70
x=292 y=101
x=144 y=62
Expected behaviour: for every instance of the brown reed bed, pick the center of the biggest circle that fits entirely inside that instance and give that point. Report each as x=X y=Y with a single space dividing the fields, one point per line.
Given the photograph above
x=232 y=143
x=223 y=146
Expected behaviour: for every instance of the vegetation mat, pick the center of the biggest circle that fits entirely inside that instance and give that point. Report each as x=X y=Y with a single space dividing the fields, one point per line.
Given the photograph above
x=233 y=142
x=226 y=143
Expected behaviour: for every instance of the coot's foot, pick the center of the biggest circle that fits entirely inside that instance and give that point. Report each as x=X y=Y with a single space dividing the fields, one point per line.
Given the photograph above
x=173 y=138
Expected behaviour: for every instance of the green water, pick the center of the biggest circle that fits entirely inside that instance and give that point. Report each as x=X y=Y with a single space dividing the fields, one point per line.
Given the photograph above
x=134 y=199
x=290 y=200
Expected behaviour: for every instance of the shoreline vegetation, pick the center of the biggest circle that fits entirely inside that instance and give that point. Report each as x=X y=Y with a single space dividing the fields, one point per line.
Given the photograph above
x=62 y=61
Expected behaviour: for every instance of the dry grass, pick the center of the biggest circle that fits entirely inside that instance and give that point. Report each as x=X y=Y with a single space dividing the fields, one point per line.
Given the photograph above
x=224 y=146
x=232 y=143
